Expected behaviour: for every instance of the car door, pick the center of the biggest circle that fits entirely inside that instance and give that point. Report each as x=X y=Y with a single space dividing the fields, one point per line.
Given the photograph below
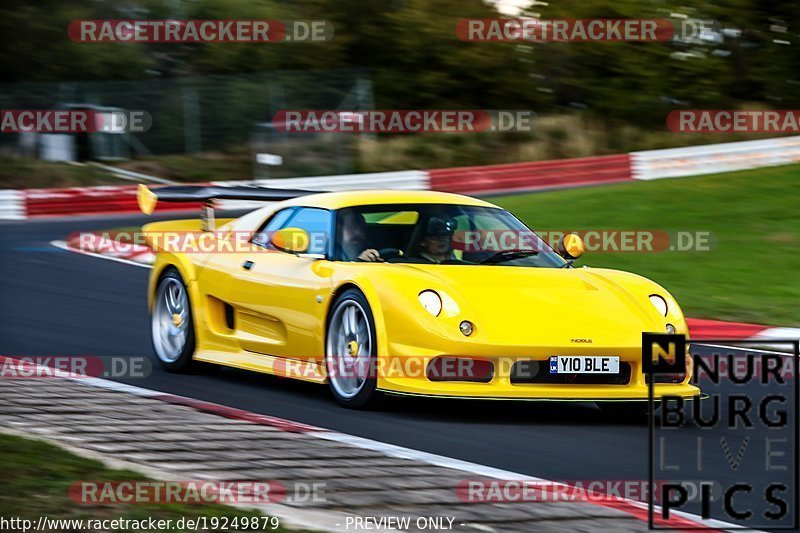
x=280 y=298
x=217 y=285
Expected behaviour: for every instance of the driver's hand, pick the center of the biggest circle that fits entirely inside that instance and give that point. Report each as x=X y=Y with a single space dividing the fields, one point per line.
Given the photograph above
x=371 y=255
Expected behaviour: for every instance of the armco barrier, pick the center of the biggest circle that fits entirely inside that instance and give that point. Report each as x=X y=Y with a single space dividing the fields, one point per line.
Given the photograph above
x=122 y=198
x=12 y=205
x=404 y=180
x=648 y=165
x=88 y=200
x=714 y=158
x=528 y=176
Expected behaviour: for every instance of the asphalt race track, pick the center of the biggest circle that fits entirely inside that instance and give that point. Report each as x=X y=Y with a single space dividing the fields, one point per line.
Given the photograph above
x=60 y=303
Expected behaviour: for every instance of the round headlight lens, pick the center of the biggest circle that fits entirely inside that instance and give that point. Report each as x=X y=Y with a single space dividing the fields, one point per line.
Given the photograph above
x=431 y=301
x=659 y=303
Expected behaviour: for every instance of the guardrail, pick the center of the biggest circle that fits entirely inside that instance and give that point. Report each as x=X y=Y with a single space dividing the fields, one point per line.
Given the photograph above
x=538 y=175
x=88 y=200
x=122 y=198
x=648 y=165
x=12 y=204
x=714 y=158
x=404 y=180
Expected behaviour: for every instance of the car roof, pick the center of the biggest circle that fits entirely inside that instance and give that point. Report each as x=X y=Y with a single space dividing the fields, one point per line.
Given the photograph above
x=339 y=200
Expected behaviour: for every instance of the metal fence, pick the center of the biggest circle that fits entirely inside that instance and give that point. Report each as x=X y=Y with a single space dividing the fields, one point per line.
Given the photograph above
x=210 y=114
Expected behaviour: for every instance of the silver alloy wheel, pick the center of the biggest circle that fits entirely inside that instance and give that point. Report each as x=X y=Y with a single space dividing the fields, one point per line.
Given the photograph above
x=170 y=320
x=348 y=351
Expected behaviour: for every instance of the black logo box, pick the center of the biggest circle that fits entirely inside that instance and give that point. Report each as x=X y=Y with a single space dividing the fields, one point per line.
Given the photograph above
x=663 y=366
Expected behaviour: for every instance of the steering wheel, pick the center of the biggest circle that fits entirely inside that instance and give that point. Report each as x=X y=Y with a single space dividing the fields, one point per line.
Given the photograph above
x=390 y=253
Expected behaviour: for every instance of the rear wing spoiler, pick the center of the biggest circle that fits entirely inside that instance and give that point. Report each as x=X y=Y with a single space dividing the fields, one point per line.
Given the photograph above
x=148 y=198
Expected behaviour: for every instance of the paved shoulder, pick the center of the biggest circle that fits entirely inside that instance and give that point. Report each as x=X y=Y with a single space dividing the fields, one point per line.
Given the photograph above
x=173 y=442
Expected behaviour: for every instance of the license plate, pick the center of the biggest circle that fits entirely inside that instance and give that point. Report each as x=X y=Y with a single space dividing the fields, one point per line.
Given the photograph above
x=583 y=364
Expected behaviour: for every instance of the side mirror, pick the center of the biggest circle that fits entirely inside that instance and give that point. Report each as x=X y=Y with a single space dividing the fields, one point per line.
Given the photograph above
x=571 y=246
x=293 y=240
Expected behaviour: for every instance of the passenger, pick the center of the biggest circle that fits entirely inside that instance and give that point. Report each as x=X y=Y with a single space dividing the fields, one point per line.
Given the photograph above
x=437 y=243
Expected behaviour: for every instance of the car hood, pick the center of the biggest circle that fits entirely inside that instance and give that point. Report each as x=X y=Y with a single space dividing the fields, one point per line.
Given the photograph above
x=548 y=306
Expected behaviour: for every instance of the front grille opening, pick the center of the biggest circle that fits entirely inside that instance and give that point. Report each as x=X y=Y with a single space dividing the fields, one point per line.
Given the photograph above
x=460 y=369
x=538 y=372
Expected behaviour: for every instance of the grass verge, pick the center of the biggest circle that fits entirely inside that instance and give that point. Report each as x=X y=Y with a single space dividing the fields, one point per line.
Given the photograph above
x=37 y=476
x=18 y=173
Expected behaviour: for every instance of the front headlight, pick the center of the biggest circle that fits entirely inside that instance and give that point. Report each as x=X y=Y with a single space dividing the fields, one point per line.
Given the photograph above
x=431 y=301
x=659 y=303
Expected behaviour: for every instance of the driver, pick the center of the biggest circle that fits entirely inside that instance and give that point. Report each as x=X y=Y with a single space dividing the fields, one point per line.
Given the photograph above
x=436 y=245
x=354 y=232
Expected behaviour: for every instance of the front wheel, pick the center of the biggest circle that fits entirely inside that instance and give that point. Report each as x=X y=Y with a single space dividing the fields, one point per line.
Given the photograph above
x=172 y=329
x=351 y=352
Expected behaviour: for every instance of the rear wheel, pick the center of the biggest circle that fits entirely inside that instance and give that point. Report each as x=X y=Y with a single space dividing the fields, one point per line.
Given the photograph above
x=171 y=323
x=351 y=352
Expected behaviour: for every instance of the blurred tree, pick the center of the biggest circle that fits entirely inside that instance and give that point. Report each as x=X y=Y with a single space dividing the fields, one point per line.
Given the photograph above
x=750 y=54
x=410 y=50
x=35 y=45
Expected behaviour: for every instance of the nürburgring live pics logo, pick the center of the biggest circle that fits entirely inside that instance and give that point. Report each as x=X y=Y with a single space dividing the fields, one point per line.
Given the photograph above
x=730 y=455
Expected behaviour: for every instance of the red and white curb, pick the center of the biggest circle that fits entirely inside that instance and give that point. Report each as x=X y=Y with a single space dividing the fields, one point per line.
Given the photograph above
x=716 y=329
x=636 y=509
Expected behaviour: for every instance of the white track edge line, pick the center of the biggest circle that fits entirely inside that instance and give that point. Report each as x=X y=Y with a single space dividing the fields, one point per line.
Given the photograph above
x=64 y=246
x=744 y=346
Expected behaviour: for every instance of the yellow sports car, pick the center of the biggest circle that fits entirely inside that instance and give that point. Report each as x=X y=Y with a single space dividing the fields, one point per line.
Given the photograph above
x=401 y=292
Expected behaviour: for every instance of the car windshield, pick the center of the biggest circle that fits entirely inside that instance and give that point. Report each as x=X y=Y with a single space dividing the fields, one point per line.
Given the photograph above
x=439 y=234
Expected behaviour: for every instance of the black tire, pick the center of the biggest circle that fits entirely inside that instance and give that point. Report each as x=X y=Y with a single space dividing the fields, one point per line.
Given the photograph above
x=183 y=361
x=627 y=411
x=368 y=397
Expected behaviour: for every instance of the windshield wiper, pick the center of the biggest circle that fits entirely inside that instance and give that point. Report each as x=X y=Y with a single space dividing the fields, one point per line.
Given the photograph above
x=508 y=255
